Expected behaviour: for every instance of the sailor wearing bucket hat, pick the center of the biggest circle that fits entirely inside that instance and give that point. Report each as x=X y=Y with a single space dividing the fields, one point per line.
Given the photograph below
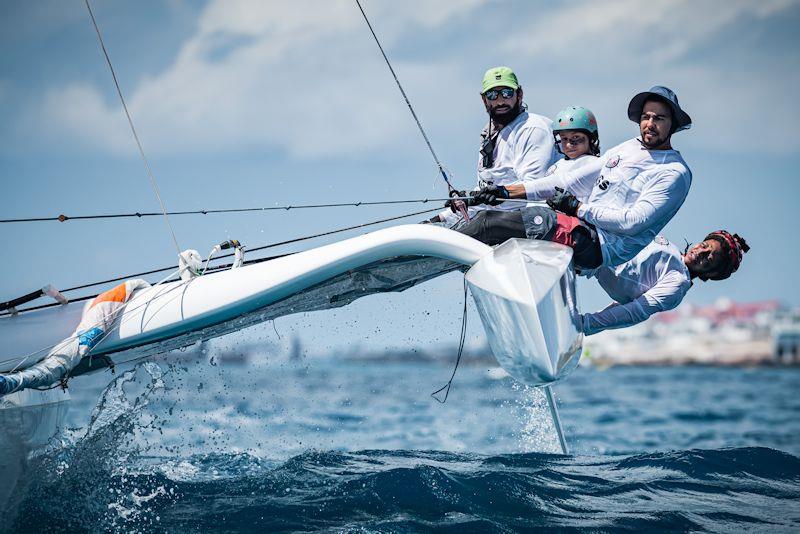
x=628 y=194
x=515 y=144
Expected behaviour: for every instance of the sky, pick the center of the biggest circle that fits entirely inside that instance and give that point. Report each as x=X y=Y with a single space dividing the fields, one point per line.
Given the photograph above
x=245 y=104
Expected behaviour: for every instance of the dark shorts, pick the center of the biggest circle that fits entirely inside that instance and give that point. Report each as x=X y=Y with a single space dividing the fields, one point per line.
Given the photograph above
x=495 y=226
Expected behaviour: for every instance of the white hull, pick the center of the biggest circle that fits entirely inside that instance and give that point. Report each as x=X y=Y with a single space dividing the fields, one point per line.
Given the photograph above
x=174 y=309
x=525 y=292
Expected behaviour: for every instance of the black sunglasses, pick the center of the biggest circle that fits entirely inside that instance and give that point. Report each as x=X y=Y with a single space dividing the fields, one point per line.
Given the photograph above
x=505 y=92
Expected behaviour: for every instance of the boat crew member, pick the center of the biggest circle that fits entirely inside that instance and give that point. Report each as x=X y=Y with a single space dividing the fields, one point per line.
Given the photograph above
x=659 y=276
x=515 y=144
x=576 y=137
x=625 y=197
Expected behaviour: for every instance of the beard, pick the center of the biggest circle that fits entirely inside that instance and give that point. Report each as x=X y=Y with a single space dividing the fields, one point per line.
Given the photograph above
x=656 y=142
x=506 y=116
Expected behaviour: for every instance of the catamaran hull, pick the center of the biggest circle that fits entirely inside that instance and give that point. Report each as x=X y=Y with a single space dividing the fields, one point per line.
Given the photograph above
x=180 y=313
x=525 y=294
x=524 y=291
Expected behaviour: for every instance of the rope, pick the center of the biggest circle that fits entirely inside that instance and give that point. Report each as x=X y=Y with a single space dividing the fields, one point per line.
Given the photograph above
x=64 y=218
x=263 y=247
x=133 y=129
x=446 y=387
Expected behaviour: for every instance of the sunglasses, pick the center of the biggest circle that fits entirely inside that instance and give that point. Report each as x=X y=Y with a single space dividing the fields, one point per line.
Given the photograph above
x=506 y=93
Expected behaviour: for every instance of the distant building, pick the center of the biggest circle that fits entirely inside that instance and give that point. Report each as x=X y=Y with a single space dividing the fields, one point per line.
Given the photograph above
x=725 y=333
x=786 y=338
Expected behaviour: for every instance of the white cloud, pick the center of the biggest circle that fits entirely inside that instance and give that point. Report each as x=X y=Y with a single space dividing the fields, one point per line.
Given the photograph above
x=611 y=50
x=79 y=112
x=633 y=32
x=303 y=77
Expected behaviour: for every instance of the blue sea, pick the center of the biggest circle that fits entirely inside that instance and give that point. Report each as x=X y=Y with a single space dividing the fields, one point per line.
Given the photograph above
x=337 y=445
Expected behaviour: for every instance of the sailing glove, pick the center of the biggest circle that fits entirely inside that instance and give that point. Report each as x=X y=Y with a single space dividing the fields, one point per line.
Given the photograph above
x=490 y=195
x=565 y=202
x=452 y=204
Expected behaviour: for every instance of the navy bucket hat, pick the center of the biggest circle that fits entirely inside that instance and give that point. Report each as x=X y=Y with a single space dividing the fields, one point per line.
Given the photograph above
x=682 y=119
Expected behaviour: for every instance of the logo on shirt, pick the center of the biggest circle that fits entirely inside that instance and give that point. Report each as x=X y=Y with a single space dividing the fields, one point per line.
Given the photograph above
x=602 y=183
x=551 y=170
x=613 y=162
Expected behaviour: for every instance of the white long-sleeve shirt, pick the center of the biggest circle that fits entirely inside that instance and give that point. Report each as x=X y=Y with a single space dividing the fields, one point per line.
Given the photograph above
x=524 y=150
x=629 y=194
x=655 y=280
x=565 y=165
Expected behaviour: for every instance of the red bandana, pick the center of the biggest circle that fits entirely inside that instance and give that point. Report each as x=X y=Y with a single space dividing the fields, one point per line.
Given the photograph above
x=734 y=248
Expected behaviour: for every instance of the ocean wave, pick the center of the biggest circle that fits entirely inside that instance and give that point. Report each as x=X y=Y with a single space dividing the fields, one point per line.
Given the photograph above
x=140 y=466
x=711 y=490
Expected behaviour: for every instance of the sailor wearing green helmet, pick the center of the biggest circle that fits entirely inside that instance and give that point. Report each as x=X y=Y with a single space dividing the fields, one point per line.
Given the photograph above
x=575 y=132
x=515 y=145
x=577 y=121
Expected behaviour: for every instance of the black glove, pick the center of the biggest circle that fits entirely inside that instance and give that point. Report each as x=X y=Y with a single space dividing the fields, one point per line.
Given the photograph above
x=452 y=203
x=565 y=202
x=489 y=195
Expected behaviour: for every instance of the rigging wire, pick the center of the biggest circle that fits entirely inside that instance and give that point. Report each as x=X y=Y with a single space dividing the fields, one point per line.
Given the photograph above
x=461 y=206
x=255 y=249
x=137 y=214
x=133 y=129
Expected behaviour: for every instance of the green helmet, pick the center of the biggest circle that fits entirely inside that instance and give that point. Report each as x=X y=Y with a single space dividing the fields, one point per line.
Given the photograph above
x=575 y=118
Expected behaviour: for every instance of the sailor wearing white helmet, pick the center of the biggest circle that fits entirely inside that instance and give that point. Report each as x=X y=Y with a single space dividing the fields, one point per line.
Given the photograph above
x=658 y=278
x=628 y=194
x=515 y=144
